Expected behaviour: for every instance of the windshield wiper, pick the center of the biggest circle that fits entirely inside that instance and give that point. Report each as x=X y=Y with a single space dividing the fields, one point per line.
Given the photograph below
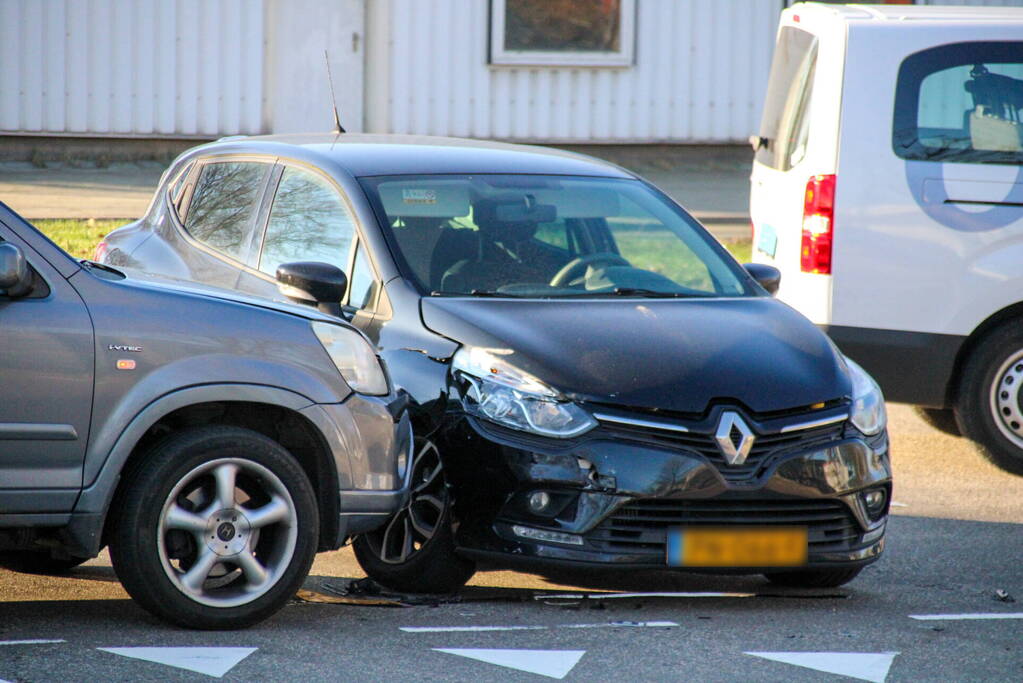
x=642 y=292
x=476 y=292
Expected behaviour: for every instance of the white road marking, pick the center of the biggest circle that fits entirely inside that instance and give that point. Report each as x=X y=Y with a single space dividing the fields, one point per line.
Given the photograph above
x=865 y=666
x=899 y=505
x=212 y=661
x=550 y=663
x=30 y=642
x=610 y=624
x=612 y=596
x=967 y=616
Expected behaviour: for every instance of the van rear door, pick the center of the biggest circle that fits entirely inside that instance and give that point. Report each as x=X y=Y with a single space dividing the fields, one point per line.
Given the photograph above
x=797 y=141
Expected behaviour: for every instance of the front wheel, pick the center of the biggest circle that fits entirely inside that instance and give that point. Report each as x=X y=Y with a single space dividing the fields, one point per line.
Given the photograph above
x=215 y=529
x=814 y=578
x=415 y=551
x=990 y=405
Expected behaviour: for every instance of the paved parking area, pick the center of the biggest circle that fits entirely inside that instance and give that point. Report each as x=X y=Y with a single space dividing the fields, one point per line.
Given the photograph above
x=929 y=610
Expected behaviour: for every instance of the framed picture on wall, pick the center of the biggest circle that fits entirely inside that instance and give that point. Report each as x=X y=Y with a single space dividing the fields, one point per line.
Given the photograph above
x=563 y=32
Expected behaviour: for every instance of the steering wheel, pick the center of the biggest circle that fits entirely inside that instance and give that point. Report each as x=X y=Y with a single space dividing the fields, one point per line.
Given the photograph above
x=577 y=266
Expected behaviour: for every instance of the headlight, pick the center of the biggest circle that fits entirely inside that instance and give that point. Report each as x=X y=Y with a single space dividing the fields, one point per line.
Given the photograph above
x=502 y=393
x=354 y=357
x=868 y=413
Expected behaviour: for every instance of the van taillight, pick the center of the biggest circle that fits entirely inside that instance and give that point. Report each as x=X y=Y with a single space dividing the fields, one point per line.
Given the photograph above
x=818 y=224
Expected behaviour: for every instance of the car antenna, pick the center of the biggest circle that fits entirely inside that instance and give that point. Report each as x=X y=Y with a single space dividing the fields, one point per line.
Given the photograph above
x=333 y=100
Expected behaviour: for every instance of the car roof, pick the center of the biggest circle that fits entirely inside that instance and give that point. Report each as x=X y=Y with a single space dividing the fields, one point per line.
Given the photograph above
x=375 y=155
x=887 y=13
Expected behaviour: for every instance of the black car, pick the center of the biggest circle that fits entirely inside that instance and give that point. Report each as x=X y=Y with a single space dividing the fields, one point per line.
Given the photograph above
x=594 y=380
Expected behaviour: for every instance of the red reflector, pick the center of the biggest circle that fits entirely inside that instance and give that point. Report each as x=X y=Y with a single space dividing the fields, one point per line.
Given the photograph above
x=100 y=252
x=795 y=18
x=818 y=225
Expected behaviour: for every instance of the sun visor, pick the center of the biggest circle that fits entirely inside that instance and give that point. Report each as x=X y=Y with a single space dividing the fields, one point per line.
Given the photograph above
x=425 y=200
x=581 y=202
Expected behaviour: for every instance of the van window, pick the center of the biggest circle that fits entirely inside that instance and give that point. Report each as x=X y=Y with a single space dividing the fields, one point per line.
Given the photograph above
x=961 y=103
x=785 y=124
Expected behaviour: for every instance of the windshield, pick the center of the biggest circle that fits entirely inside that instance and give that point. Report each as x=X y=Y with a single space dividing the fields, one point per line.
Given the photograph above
x=548 y=236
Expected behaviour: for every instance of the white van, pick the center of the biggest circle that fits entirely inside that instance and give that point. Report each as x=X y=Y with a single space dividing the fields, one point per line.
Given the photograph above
x=888 y=189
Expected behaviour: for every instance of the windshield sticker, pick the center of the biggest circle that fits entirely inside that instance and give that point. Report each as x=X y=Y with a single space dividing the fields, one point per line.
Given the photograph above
x=410 y=196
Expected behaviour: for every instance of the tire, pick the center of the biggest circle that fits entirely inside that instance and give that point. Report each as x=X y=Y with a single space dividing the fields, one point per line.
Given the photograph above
x=216 y=528
x=814 y=578
x=942 y=419
x=415 y=551
x=37 y=562
x=990 y=405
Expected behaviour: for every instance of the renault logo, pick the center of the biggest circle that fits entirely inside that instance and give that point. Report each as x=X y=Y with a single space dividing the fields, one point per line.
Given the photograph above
x=734 y=438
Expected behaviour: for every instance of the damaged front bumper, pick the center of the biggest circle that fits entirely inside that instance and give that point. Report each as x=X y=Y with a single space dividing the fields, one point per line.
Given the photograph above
x=609 y=501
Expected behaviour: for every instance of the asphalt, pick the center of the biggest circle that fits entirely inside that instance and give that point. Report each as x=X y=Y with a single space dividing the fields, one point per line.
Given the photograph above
x=711 y=181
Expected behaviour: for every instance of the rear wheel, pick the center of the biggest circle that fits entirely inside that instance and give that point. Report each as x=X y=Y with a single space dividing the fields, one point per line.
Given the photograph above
x=415 y=551
x=216 y=529
x=814 y=578
x=990 y=406
x=37 y=562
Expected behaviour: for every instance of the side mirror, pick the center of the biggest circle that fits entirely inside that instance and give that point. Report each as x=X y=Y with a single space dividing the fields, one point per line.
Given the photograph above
x=15 y=276
x=312 y=282
x=766 y=276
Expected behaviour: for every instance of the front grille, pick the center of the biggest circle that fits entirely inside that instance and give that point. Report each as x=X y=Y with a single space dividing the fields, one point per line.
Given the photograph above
x=765 y=448
x=641 y=525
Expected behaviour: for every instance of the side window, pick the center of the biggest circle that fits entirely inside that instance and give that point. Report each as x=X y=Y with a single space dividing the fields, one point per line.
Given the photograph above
x=360 y=291
x=308 y=222
x=961 y=103
x=784 y=125
x=224 y=205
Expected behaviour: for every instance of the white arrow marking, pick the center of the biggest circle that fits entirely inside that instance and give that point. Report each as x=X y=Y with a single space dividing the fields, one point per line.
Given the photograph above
x=30 y=642
x=610 y=624
x=550 y=663
x=960 y=617
x=212 y=661
x=866 y=666
x=611 y=596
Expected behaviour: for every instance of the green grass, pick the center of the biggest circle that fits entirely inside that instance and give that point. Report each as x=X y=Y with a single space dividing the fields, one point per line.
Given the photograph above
x=77 y=237
x=741 y=249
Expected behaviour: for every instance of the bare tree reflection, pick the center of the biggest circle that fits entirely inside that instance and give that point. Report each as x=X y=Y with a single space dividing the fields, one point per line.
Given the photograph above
x=562 y=25
x=222 y=209
x=308 y=223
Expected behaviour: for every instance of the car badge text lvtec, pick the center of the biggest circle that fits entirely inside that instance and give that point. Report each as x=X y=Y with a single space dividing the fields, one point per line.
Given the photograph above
x=734 y=437
x=124 y=347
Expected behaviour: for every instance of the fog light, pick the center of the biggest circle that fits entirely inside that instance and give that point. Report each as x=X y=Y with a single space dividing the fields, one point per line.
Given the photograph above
x=539 y=501
x=549 y=536
x=875 y=500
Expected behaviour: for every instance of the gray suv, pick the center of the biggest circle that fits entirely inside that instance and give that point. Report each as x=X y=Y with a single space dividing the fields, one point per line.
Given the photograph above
x=213 y=442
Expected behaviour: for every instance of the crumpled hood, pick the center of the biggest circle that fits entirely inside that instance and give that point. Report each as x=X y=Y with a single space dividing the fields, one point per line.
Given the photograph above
x=670 y=354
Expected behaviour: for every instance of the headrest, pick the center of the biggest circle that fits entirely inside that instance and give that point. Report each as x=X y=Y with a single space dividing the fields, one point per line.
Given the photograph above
x=425 y=199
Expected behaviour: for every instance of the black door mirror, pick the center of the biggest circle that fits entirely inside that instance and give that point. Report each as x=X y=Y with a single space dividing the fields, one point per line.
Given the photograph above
x=312 y=282
x=766 y=276
x=15 y=276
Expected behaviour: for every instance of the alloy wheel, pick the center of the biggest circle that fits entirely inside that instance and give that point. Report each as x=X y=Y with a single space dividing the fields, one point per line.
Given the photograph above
x=416 y=523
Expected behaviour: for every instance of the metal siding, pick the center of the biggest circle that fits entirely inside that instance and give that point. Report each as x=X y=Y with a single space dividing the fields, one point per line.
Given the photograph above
x=700 y=67
x=131 y=67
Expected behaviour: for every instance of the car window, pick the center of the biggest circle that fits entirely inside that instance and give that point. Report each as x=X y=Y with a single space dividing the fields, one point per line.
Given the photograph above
x=785 y=124
x=547 y=236
x=361 y=289
x=308 y=222
x=224 y=204
x=962 y=103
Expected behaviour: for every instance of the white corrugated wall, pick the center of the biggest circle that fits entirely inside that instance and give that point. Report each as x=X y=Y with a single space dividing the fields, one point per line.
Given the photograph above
x=131 y=67
x=699 y=76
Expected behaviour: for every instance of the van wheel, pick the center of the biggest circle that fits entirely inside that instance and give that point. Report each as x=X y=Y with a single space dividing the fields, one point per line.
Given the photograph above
x=990 y=406
x=414 y=552
x=216 y=528
x=942 y=419
x=822 y=578
x=37 y=562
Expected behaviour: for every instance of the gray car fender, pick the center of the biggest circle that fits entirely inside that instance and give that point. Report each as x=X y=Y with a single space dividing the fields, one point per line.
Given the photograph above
x=88 y=517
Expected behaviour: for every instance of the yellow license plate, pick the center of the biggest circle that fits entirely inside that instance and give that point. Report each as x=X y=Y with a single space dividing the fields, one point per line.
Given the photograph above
x=737 y=547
